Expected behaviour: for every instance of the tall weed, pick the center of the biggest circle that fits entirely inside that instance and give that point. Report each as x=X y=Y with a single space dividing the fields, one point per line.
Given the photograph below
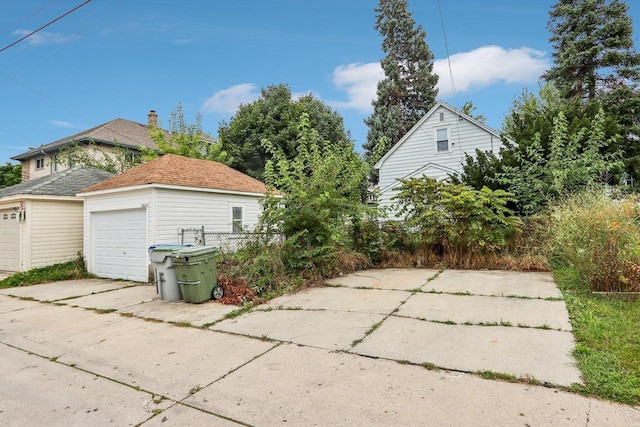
x=599 y=237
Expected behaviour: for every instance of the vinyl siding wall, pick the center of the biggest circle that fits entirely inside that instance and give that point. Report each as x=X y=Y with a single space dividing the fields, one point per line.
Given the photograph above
x=194 y=209
x=418 y=155
x=54 y=230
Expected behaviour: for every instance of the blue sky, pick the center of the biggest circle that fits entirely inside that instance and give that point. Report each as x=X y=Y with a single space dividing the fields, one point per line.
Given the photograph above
x=122 y=58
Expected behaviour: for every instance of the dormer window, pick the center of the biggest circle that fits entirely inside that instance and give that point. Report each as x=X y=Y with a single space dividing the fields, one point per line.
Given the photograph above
x=40 y=163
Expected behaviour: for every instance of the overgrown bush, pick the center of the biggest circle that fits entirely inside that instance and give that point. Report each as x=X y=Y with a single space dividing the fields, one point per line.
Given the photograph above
x=454 y=219
x=599 y=237
x=70 y=270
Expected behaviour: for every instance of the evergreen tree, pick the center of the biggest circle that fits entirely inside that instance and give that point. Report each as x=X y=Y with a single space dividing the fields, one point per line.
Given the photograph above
x=595 y=60
x=408 y=90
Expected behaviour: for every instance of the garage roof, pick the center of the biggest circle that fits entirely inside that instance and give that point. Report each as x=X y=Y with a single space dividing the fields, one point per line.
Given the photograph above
x=65 y=183
x=172 y=169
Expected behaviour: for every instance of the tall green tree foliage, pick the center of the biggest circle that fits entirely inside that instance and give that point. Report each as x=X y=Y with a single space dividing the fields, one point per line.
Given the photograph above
x=10 y=174
x=319 y=195
x=408 y=89
x=595 y=59
x=275 y=117
x=185 y=140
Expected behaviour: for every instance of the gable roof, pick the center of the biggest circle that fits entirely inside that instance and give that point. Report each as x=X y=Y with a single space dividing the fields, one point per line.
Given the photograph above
x=65 y=183
x=172 y=169
x=118 y=132
x=431 y=112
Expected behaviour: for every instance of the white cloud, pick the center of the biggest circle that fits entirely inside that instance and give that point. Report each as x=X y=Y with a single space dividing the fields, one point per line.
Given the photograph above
x=182 y=41
x=227 y=101
x=489 y=65
x=62 y=124
x=472 y=70
x=360 y=82
x=43 y=38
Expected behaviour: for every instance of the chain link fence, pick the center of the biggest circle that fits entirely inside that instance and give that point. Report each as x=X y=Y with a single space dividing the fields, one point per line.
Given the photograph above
x=226 y=242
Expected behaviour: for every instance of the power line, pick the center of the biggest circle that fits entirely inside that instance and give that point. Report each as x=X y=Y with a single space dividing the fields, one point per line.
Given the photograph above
x=44 y=26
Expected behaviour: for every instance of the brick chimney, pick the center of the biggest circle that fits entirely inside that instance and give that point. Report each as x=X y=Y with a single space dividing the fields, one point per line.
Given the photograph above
x=153 y=119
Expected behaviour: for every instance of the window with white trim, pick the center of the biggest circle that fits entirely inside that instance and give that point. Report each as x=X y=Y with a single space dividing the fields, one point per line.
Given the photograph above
x=442 y=140
x=40 y=163
x=236 y=219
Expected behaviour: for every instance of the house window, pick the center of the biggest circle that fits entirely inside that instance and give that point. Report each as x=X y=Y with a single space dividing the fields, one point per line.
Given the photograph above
x=5 y=216
x=442 y=117
x=442 y=140
x=236 y=213
x=40 y=163
x=55 y=164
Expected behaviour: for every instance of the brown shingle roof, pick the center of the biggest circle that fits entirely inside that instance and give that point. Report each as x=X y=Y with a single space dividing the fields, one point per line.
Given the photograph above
x=115 y=132
x=171 y=169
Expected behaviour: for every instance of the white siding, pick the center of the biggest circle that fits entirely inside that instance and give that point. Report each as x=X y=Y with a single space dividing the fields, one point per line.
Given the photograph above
x=55 y=232
x=417 y=155
x=187 y=209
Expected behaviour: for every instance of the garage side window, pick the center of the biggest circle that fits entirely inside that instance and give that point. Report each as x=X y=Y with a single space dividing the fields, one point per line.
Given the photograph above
x=236 y=219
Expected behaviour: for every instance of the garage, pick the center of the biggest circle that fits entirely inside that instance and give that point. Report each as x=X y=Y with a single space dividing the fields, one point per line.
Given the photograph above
x=9 y=241
x=119 y=244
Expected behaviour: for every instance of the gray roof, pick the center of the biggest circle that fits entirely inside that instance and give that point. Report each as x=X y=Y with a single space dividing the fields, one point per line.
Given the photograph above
x=119 y=132
x=65 y=183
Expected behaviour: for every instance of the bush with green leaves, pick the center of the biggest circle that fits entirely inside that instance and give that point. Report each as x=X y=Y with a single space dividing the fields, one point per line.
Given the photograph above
x=576 y=161
x=319 y=196
x=454 y=218
x=599 y=237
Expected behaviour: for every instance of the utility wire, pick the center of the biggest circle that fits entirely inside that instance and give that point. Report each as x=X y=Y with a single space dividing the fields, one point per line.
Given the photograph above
x=446 y=46
x=44 y=26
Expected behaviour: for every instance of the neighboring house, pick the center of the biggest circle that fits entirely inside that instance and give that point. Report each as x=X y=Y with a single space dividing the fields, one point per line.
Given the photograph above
x=435 y=147
x=108 y=137
x=148 y=204
x=41 y=220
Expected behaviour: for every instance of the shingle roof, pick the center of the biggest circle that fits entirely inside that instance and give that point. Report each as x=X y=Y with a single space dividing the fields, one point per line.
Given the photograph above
x=172 y=169
x=65 y=183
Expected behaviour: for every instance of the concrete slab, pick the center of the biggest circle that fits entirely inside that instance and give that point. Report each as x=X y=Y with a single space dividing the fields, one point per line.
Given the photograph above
x=389 y=278
x=497 y=283
x=341 y=299
x=116 y=299
x=482 y=309
x=8 y=304
x=166 y=359
x=52 y=331
x=37 y=391
x=65 y=289
x=333 y=330
x=306 y=386
x=542 y=354
x=181 y=415
x=180 y=311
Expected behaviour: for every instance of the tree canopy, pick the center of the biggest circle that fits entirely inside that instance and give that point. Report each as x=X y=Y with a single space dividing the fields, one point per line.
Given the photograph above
x=408 y=90
x=275 y=117
x=185 y=140
x=10 y=174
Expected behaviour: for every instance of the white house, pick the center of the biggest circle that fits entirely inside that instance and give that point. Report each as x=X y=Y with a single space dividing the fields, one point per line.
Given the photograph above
x=436 y=147
x=146 y=205
x=41 y=219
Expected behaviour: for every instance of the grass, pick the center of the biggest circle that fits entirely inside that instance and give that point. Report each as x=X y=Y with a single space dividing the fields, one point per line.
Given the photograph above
x=608 y=340
x=64 y=271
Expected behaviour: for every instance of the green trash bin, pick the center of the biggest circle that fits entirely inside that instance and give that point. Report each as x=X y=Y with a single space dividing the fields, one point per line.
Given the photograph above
x=196 y=273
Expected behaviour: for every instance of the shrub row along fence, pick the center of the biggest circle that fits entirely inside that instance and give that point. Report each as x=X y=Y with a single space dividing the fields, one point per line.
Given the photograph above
x=226 y=242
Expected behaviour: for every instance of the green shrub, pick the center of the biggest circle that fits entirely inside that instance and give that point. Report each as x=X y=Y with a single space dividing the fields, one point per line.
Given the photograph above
x=454 y=218
x=599 y=237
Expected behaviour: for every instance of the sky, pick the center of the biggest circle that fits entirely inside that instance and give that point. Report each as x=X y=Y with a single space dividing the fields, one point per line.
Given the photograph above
x=122 y=58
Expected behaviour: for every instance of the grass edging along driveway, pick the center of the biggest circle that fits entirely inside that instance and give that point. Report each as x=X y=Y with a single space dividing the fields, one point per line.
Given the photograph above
x=607 y=333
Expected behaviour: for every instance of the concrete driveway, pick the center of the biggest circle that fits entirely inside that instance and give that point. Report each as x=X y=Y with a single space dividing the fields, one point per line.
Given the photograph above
x=379 y=347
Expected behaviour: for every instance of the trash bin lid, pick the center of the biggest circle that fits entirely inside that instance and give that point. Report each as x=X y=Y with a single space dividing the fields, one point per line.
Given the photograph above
x=194 y=251
x=167 y=247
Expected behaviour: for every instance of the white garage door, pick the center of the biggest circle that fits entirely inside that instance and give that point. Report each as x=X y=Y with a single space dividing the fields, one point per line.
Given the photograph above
x=120 y=244
x=9 y=241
